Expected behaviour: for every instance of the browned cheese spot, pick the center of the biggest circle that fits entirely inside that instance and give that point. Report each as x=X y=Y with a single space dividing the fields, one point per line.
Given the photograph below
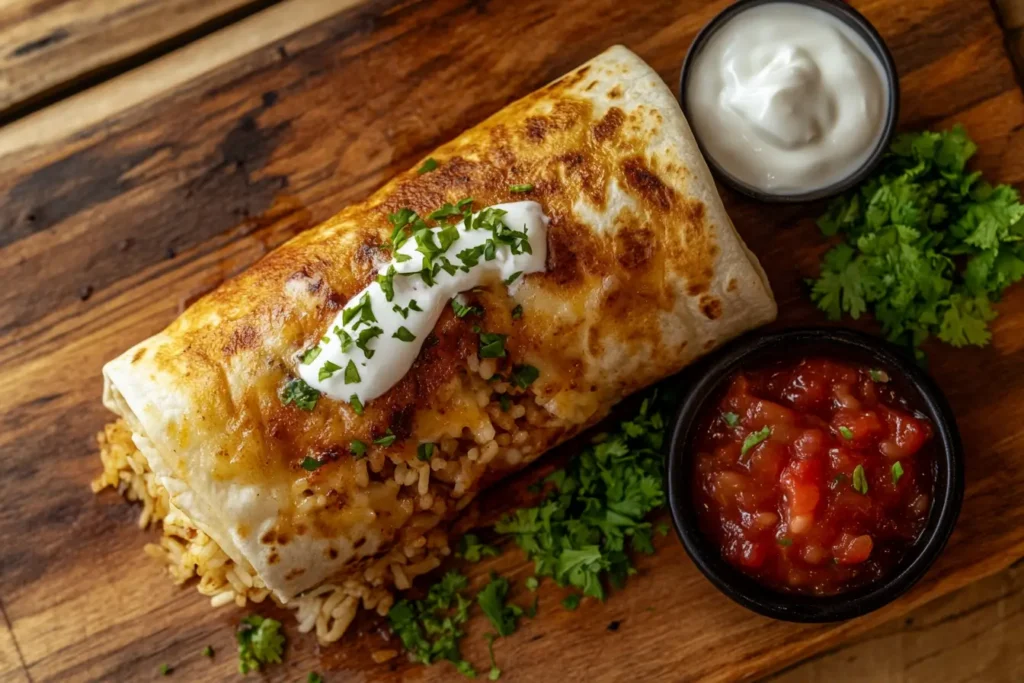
x=615 y=93
x=609 y=124
x=646 y=184
x=635 y=243
x=294 y=573
x=273 y=557
x=138 y=355
x=710 y=307
x=242 y=337
x=731 y=287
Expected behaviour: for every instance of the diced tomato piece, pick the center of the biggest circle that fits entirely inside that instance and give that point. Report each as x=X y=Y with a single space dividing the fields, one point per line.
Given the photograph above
x=911 y=434
x=809 y=444
x=753 y=553
x=863 y=426
x=850 y=549
x=771 y=414
x=801 y=485
x=767 y=461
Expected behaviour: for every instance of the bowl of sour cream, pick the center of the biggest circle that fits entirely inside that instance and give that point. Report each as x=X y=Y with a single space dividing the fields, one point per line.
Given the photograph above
x=790 y=100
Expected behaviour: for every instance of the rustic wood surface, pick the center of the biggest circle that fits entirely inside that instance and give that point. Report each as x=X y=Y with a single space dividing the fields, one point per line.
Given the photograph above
x=50 y=47
x=106 y=235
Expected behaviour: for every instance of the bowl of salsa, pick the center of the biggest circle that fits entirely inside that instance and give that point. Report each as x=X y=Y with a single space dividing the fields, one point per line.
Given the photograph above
x=814 y=474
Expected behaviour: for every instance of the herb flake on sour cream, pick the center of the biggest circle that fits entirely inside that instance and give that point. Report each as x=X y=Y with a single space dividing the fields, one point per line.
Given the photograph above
x=380 y=331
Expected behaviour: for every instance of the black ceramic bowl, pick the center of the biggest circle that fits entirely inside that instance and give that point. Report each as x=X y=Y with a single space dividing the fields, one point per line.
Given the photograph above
x=753 y=351
x=856 y=21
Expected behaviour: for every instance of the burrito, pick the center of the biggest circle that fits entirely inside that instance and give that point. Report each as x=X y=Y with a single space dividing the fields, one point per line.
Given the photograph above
x=310 y=430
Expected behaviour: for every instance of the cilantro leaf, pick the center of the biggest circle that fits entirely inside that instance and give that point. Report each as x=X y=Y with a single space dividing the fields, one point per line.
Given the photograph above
x=472 y=550
x=260 y=642
x=491 y=599
x=927 y=245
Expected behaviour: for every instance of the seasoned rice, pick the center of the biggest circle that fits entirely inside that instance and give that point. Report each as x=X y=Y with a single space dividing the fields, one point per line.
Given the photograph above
x=508 y=436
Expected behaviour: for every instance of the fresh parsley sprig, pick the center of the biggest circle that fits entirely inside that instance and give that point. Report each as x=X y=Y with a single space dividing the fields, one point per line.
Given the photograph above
x=927 y=246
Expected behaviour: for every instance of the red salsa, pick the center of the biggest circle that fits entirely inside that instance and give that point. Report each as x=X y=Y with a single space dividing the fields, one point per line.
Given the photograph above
x=813 y=476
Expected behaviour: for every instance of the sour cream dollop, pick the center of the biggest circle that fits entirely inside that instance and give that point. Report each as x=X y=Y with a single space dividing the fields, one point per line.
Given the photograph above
x=374 y=339
x=787 y=98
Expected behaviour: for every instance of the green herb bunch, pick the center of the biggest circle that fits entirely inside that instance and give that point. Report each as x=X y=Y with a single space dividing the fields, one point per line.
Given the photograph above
x=927 y=245
x=580 y=533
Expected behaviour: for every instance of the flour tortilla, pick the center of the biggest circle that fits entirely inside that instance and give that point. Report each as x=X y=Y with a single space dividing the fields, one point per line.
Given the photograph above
x=645 y=273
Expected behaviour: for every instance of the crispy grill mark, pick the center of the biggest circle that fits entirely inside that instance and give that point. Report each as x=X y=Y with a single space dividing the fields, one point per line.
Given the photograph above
x=644 y=182
x=615 y=93
x=609 y=124
x=635 y=243
x=244 y=336
x=710 y=307
x=138 y=355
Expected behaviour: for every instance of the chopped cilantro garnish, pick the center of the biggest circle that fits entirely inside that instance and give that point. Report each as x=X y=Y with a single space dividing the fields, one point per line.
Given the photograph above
x=403 y=334
x=846 y=433
x=344 y=338
x=597 y=508
x=520 y=188
x=413 y=306
x=897 y=472
x=207 y=651
x=517 y=312
x=310 y=463
x=524 y=375
x=430 y=628
x=513 y=277
x=927 y=245
x=532 y=583
x=755 y=438
x=571 y=601
x=356 y=404
x=357 y=448
x=351 y=373
x=425 y=451
x=314 y=677
x=785 y=542
x=166 y=669
x=301 y=394
x=662 y=529
x=310 y=355
x=860 y=480
x=495 y=673
x=387 y=283
x=259 y=642
x=462 y=310
x=492 y=345
x=327 y=370
x=504 y=402
x=364 y=338
x=429 y=165
x=472 y=550
x=731 y=419
x=386 y=440
x=880 y=376
x=492 y=598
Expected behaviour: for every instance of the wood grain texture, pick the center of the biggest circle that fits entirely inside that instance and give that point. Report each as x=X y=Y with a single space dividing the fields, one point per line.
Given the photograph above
x=970 y=635
x=105 y=236
x=48 y=45
x=106 y=102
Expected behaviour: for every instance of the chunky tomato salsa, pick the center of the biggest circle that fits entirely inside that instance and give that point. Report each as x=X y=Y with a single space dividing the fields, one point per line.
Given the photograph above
x=813 y=476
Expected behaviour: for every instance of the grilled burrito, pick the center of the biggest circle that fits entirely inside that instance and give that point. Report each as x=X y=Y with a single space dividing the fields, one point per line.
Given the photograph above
x=310 y=429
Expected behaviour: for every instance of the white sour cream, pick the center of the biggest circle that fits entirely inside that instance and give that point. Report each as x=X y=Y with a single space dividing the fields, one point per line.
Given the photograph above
x=385 y=357
x=787 y=98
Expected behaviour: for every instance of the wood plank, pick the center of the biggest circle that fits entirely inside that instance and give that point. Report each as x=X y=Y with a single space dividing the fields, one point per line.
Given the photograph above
x=971 y=635
x=49 y=47
x=222 y=169
x=12 y=669
x=106 y=102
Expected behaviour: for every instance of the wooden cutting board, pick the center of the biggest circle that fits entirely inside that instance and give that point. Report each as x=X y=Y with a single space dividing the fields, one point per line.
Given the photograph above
x=106 y=235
